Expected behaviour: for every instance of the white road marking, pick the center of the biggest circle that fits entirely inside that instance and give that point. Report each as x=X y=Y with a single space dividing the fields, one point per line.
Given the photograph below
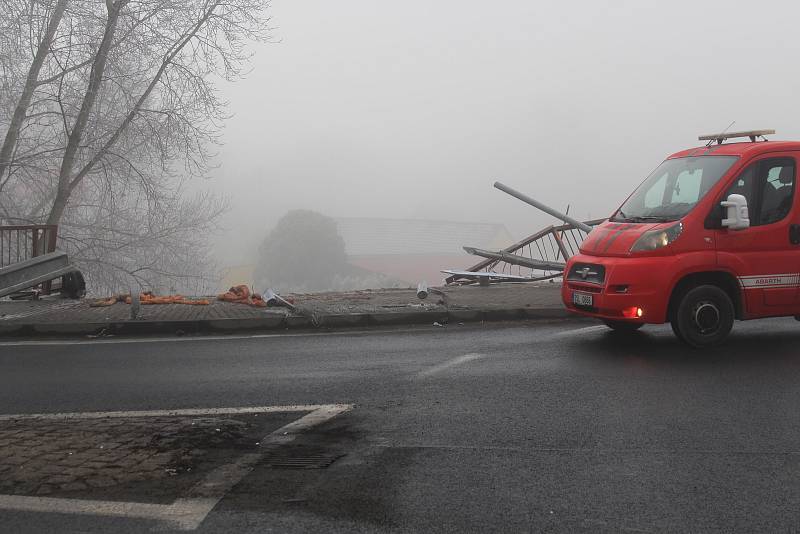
x=449 y=364
x=75 y=506
x=191 y=509
x=577 y=331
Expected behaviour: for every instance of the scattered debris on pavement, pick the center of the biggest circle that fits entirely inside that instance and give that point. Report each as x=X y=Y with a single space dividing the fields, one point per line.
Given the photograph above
x=328 y=310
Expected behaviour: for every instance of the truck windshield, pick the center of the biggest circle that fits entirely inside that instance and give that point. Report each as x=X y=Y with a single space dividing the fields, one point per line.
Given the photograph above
x=674 y=188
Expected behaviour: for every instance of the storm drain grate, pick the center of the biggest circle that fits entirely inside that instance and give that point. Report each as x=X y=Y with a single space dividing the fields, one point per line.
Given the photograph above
x=300 y=459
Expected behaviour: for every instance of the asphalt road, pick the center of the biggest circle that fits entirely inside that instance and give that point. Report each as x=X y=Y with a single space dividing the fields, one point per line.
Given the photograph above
x=535 y=427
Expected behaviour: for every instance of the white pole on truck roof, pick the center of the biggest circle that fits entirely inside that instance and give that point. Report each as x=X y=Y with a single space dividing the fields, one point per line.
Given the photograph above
x=547 y=209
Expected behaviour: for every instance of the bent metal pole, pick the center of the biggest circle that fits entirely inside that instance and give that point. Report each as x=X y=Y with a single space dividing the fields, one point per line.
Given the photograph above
x=547 y=209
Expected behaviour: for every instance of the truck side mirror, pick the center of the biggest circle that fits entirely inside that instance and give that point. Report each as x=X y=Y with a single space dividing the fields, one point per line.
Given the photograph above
x=738 y=216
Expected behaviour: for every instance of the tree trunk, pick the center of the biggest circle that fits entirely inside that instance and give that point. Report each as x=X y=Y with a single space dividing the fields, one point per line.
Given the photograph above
x=73 y=142
x=12 y=135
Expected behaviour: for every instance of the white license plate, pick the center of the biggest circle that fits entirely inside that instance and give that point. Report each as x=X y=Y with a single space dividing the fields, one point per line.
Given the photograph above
x=581 y=299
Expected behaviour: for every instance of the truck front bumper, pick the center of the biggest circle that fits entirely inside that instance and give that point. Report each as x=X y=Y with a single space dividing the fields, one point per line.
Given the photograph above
x=632 y=289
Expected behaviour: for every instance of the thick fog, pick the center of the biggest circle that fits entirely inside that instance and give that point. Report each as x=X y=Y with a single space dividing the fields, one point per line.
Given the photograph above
x=412 y=109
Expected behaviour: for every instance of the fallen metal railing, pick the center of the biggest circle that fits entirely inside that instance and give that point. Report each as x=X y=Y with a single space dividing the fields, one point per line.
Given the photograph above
x=538 y=256
x=544 y=207
x=516 y=259
x=34 y=271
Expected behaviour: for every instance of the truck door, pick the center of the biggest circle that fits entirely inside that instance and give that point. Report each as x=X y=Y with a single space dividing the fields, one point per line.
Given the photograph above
x=765 y=257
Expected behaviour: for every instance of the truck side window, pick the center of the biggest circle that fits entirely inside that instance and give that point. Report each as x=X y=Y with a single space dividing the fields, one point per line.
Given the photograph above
x=777 y=190
x=768 y=186
x=744 y=185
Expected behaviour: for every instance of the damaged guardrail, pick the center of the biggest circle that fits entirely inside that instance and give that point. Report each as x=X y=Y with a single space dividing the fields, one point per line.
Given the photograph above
x=514 y=259
x=540 y=256
x=34 y=271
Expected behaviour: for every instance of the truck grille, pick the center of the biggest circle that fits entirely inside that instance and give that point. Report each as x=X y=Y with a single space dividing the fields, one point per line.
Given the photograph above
x=587 y=272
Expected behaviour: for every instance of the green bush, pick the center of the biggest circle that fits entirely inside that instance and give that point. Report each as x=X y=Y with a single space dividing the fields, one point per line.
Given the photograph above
x=303 y=251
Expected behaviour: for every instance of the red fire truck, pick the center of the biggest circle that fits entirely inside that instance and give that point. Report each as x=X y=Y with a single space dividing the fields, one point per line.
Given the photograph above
x=712 y=235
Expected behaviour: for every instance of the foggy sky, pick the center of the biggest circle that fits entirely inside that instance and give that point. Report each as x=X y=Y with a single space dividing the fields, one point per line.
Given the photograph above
x=413 y=109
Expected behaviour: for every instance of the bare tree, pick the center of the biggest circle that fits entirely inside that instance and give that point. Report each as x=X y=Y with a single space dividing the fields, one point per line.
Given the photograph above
x=31 y=81
x=117 y=108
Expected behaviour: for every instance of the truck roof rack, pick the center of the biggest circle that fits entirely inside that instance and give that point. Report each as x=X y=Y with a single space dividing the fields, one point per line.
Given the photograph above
x=720 y=137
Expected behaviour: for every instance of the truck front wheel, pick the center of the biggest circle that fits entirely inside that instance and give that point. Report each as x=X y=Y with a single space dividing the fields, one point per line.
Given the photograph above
x=704 y=316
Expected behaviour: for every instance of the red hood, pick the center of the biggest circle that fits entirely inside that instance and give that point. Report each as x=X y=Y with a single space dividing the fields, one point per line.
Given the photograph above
x=615 y=239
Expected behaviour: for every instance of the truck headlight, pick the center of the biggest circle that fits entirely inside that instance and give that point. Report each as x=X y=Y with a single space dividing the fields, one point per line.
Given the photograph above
x=655 y=239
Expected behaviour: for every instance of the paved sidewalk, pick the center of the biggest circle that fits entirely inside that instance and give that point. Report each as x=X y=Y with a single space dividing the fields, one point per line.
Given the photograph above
x=154 y=458
x=39 y=459
x=320 y=310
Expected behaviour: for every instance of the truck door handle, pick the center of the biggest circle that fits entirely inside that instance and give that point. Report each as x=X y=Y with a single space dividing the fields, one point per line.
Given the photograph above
x=794 y=234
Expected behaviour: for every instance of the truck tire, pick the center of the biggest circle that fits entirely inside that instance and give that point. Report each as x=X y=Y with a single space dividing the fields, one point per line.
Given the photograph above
x=704 y=316
x=622 y=326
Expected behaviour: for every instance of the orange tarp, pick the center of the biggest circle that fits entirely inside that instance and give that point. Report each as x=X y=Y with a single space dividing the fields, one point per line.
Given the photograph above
x=241 y=294
x=147 y=298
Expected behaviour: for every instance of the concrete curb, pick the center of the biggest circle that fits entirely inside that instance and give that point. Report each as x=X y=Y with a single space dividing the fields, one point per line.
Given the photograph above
x=278 y=322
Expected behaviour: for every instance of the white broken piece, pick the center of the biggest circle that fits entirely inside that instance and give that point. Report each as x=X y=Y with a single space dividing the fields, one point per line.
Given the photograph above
x=422 y=290
x=273 y=299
